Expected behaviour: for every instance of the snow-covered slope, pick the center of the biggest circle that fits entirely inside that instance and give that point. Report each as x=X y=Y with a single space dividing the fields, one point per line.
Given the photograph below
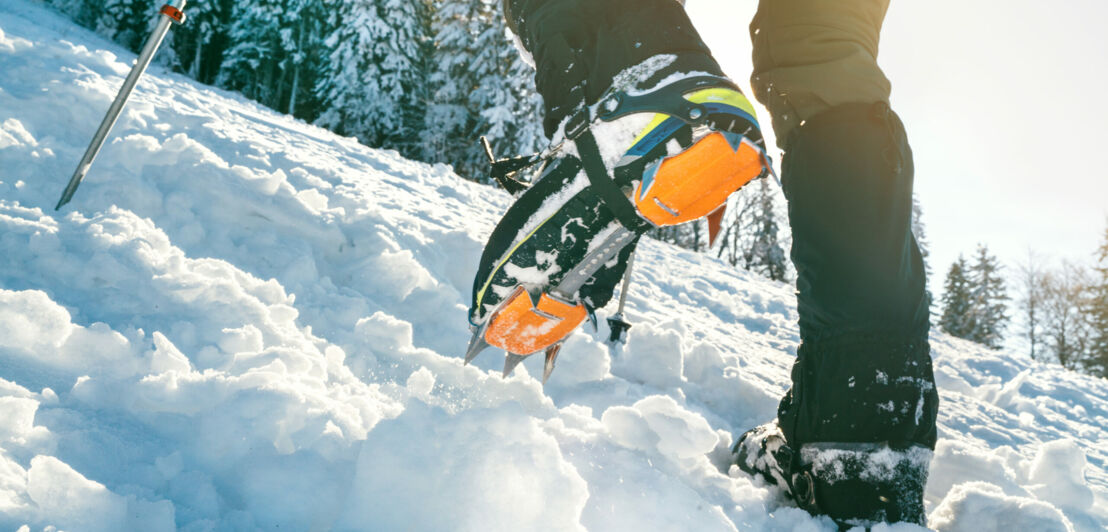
x=245 y=322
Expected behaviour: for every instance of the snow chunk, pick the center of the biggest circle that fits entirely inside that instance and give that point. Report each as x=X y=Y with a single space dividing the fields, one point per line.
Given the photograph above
x=653 y=356
x=983 y=507
x=420 y=383
x=265 y=182
x=1059 y=471
x=13 y=487
x=68 y=499
x=30 y=321
x=313 y=200
x=957 y=461
x=12 y=133
x=12 y=44
x=17 y=417
x=245 y=339
x=397 y=274
x=658 y=423
x=478 y=470
x=385 y=332
x=36 y=328
x=166 y=356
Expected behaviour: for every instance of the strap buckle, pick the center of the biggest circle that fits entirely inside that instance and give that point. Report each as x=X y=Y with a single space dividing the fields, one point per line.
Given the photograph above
x=578 y=123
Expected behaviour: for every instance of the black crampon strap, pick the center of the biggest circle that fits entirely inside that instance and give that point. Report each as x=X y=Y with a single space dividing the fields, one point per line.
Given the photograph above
x=603 y=185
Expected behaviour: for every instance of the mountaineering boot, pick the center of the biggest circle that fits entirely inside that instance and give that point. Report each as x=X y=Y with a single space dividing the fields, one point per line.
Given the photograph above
x=665 y=140
x=856 y=484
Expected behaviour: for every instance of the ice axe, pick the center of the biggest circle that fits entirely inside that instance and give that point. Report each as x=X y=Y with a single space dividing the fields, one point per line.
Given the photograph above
x=616 y=323
x=169 y=14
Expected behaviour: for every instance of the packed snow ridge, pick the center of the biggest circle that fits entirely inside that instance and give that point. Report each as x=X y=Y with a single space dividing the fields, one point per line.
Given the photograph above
x=245 y=322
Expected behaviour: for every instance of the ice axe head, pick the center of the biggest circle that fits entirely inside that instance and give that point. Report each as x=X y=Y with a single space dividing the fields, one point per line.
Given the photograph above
x=619 y=329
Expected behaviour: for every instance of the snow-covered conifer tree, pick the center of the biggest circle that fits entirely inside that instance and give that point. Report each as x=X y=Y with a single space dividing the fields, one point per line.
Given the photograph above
x=480 y=86
x=198 y=43
x=374 y=81
x=957 y=318
x=126 y=21
x=687 y=236
x=919 y=231
x=989 y=300
x=306 y=25
x=528 y=135
x=84 y=12
x=251 y=63
x=764 y=254
x=450 y=121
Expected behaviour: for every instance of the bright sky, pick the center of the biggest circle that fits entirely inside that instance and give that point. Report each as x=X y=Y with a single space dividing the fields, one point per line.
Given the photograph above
x=1006 y=107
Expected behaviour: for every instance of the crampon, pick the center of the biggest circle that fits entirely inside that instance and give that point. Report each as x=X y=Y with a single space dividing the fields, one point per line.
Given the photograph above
x=559 y=251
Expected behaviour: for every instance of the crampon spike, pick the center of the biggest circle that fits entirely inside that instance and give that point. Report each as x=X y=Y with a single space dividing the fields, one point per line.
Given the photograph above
x=476 y=345
x=548 y=366
x=715 y=221
x=591 y=317
x=511 y=361
x=735 y=140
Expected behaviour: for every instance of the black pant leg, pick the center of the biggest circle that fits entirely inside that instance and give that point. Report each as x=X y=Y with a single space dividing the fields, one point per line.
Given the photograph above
x=863 y=372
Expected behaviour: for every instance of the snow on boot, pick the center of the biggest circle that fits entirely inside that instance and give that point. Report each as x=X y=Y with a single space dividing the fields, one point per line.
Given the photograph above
x=639 y=158
x=762 y=451
x=856 y=484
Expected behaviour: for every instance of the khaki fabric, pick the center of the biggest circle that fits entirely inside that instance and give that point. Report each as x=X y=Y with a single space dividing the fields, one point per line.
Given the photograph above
x=812 y=55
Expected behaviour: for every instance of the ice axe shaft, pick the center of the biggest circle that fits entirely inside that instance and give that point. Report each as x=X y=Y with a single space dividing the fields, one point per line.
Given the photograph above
x=616 y=323
x=168 y=15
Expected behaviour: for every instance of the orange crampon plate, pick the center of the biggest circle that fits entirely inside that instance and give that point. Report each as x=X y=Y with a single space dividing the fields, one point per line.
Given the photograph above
x=522 y=328
x=696 y=182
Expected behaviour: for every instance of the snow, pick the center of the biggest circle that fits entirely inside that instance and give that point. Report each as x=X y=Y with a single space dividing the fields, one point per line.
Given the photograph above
x=244 y=322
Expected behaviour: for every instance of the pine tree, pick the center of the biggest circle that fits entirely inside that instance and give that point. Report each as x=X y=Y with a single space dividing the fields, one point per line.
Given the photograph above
x=765 y=255
x=528 y=135
x=306 y=24
x=126 y=21
x=374 y=81
x=988 y=300
x=87 y=13
x=919 y=232
x=480 y=86
x=251 y=65
x=958 y=317
x=199 y=43
x=458 y=68
x=449 y=119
